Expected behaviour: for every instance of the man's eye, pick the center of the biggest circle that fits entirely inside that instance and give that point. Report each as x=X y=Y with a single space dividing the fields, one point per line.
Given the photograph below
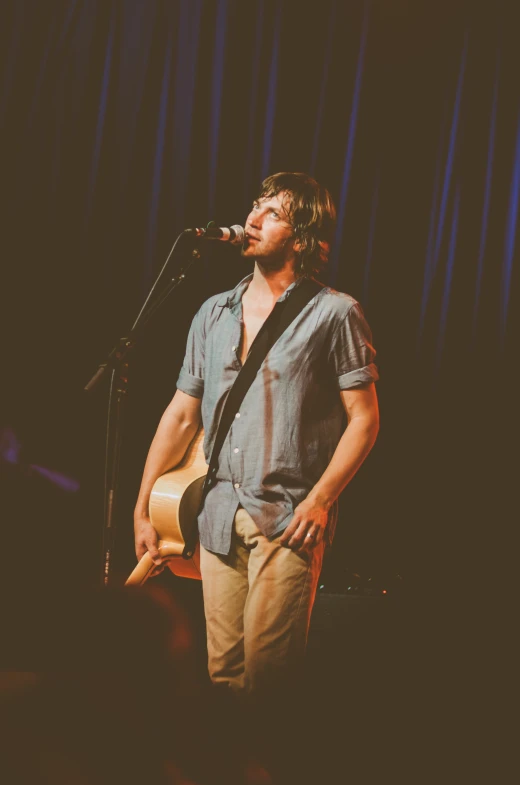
x=274 y=214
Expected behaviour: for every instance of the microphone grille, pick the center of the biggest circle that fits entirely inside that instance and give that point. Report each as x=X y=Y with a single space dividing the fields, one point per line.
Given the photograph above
x=238 y=239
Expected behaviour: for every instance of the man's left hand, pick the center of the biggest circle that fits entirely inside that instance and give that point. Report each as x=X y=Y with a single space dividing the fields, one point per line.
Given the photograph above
x=307 y=528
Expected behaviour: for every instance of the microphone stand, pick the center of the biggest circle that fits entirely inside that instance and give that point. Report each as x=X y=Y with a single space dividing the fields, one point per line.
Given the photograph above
x=117 y=363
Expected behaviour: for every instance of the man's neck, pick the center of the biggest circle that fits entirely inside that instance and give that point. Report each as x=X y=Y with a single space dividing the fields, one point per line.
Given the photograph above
x=269 y=285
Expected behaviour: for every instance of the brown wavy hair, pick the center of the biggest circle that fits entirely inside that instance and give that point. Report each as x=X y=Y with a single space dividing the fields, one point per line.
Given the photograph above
x=311 y=213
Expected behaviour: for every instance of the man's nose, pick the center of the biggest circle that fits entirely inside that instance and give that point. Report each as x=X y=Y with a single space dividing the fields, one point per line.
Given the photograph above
x=254 y=219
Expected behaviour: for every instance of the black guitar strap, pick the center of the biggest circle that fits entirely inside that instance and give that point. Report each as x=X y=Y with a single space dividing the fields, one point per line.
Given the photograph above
x=276 y=323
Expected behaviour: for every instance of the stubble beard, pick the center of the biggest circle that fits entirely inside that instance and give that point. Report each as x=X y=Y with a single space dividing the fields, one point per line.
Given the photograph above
x=270 y=262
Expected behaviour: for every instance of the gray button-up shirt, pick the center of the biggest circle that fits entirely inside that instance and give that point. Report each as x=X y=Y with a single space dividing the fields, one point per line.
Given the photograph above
x=291 y=418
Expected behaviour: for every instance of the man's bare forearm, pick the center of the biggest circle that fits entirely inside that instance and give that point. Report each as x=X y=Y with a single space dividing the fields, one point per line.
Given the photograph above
x=353 y=447
x=169 y=445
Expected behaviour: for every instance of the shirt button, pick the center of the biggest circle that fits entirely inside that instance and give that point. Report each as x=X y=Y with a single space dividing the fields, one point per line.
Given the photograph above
x=236 y=450
x=237 y=485
x=237 y=415
x=233 y=348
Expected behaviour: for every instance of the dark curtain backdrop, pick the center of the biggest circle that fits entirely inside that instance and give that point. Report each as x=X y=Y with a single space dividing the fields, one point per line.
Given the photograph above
x=124 y=121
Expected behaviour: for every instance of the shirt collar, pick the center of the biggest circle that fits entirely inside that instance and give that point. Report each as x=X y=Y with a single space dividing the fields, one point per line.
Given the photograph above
x=232 y=298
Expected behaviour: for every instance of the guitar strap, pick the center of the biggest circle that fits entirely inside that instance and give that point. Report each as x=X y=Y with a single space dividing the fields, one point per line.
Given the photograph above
x=276 y=323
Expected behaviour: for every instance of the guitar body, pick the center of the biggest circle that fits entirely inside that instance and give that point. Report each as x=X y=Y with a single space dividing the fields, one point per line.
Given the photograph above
x=174 y=503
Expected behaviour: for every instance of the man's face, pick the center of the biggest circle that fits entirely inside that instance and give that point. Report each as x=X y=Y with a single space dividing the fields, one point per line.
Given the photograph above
x=268 y=233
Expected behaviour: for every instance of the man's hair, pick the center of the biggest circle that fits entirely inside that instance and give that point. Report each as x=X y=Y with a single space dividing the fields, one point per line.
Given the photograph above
x=311 y=213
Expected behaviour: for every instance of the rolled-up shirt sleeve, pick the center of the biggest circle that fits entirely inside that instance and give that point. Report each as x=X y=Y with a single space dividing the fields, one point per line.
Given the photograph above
x=352 y=353
x=191 y=376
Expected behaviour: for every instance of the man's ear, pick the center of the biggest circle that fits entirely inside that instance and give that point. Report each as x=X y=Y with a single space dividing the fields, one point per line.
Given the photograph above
x=299 y=246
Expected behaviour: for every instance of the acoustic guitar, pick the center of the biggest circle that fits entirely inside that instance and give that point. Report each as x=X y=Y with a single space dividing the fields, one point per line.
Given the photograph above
x=174 y=503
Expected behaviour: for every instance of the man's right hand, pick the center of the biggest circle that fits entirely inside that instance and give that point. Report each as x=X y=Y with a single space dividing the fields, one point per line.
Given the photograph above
x=146 y=539
x=179 y=424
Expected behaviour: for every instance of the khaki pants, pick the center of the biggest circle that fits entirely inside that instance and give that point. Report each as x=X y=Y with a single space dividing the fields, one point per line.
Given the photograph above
x=257 y=601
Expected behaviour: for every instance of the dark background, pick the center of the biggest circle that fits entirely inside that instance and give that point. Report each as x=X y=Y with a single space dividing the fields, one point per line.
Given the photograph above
x=123 y=122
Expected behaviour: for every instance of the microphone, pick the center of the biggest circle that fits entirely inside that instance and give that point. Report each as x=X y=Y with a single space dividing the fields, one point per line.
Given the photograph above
x=233 y=234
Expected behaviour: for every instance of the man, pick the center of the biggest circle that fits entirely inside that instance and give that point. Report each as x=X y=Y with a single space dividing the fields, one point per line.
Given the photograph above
x=287 y=457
